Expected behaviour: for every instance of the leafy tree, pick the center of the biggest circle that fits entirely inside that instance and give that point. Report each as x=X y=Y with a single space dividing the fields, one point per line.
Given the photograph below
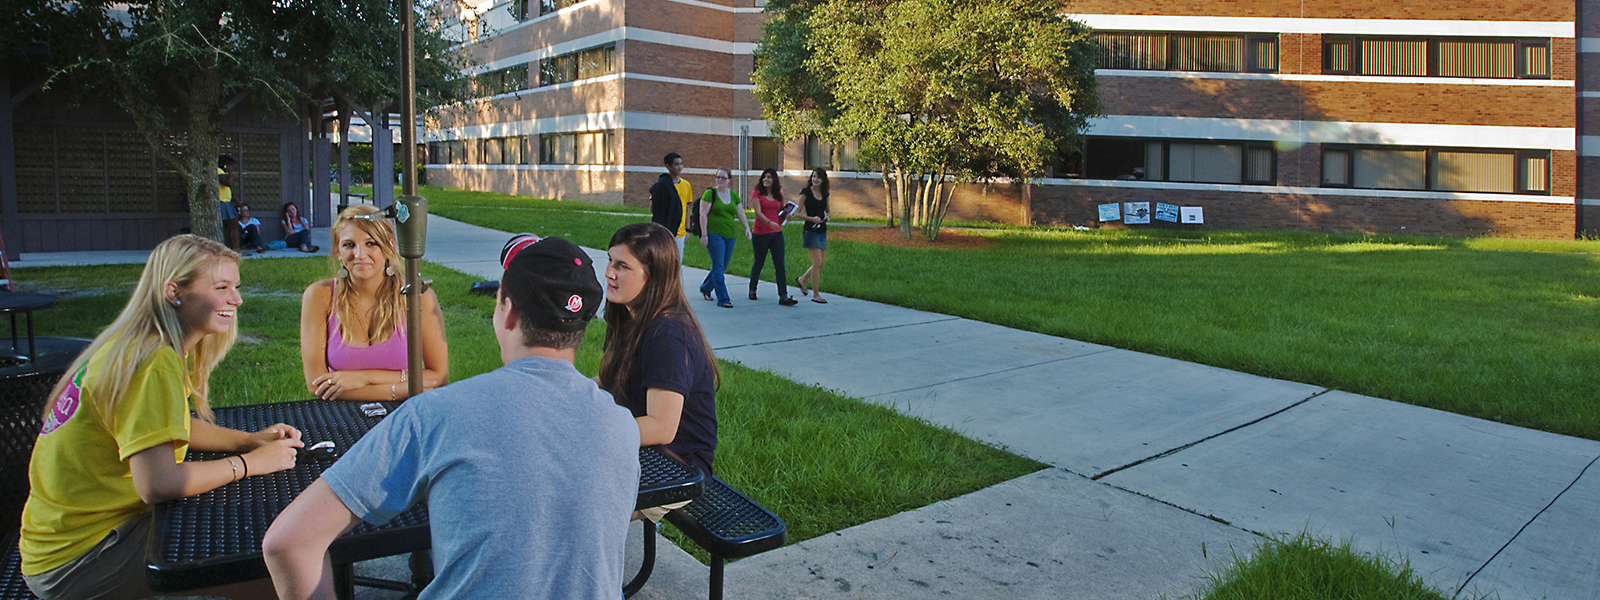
x=938 y=91
x=178 y=66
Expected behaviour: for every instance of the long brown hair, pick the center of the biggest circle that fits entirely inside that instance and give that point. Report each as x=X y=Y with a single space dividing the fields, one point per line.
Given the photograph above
x=661 y=298
x=387 y=312
x=776 y=193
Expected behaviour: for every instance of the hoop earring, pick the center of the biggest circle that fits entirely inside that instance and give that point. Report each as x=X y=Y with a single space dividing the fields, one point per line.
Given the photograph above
x=388 y=269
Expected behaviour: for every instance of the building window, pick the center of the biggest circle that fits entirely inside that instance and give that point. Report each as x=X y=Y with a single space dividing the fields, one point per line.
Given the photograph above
x=501 y=81
x=1437 y=169
x=501 y=151
x=583 y=64
x=1436 y=57
x=1336 y=55
x=765 y=153
x=587 y=148
x=1133 y=51
x=550 y=6
x=1224 y=53
x=447 y=153
x=1263 y=53
x=519 y=9
x=1533 y=59
x=1533 y=172
x=1477 y=59
x=822 y=153
x=1191 y=161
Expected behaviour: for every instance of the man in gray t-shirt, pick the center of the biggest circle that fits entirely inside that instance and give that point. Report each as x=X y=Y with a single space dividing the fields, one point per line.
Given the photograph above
x=530 y=471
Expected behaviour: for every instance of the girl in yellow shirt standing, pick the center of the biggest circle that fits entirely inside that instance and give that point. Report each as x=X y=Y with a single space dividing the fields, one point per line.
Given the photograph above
x=118 y=427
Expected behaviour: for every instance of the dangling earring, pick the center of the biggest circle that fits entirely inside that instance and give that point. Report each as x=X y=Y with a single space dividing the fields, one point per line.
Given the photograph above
x=343 y=272
x=388 y=269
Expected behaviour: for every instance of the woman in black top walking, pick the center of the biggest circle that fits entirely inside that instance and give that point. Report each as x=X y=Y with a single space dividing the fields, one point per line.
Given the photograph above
x=815 y=235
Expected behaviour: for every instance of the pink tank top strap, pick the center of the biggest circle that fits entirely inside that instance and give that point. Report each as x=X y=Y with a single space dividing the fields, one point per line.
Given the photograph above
x=389 y=355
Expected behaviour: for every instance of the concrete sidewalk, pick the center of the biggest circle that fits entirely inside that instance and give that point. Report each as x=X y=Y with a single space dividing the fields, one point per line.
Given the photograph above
x=1161 y=468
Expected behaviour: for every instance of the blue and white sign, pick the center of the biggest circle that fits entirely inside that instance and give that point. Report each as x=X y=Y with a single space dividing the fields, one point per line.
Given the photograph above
x=1110 y=212
x=1192 y=214
x=1166 y=212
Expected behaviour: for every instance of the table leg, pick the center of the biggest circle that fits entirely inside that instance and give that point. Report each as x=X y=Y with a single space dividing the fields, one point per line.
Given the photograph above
x=649 y=564
x=31 y=356
x=344 y=581
x=14 y=347
x=421 y=570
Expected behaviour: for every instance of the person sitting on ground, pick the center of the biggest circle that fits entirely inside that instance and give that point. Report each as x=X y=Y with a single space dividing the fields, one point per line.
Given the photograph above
x=226 y=210
x=115 y=437
x=297 y=229
x=656 y=361
x=352 y=327
x=250 y=230
x=535 y=433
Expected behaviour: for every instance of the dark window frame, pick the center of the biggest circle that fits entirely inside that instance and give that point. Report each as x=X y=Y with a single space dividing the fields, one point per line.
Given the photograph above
x=570 y=67
x=1247 y=40
x=1166 y=159
x=1520 y=160
x=1519 y=64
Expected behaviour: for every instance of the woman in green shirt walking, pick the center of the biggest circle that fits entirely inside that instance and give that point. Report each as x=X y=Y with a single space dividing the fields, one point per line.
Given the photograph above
x=721 y=216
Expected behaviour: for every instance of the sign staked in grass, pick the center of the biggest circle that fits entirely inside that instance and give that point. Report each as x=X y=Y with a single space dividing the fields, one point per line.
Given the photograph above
x=1498 y=329
x=821 y=461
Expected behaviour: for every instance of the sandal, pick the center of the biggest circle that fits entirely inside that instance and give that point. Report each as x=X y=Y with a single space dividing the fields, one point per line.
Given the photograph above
x=801 y=283
x=819 y=301
x=726 y=305
x=707 y=295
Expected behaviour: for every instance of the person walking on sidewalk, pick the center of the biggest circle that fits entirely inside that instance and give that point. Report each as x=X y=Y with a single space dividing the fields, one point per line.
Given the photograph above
x=718 y=207
x=767 y=200
x=669 y=200
x=815 y=235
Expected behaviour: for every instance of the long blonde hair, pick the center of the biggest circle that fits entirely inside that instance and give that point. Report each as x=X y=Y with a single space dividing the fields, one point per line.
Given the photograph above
x=149 y=322
x=387 y=311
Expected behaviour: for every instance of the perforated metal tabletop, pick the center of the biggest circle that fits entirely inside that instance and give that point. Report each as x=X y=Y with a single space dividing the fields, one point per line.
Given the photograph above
x=215 y=538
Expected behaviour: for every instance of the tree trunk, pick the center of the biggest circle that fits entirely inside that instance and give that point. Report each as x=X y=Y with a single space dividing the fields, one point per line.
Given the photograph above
x=888 y=199
x=905 y=201
x=204 y=106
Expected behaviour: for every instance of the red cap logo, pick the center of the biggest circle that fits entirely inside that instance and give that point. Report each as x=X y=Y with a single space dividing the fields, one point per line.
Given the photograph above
x=574 y=304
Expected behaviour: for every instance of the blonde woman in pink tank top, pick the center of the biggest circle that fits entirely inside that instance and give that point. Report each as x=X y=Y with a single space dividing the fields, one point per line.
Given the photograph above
x=352 y=327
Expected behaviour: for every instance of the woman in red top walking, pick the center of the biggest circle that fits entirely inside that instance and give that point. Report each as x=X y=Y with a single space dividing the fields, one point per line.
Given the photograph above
x=767 y=200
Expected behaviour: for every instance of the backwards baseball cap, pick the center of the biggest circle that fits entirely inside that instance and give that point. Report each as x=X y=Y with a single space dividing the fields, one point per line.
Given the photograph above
x=551 y=282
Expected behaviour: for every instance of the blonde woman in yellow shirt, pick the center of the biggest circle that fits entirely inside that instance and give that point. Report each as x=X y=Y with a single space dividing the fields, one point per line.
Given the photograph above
x=118 y=427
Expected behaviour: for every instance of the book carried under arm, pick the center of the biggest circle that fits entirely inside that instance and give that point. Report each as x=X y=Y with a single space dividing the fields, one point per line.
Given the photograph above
x=787 y=210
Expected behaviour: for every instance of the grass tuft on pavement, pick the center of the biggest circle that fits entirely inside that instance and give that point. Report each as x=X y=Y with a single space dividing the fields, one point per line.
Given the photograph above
x=1304 y=567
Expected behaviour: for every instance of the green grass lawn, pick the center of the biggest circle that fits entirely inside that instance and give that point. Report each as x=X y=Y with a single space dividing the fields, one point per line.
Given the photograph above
x=1497 y=329
x=1303 y=567
x=821 y=461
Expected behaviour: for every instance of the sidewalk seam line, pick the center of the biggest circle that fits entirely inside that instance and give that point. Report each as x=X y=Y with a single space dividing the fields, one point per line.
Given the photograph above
x=1524 y=527
x=813 y=337
x=1210 y=437
x=1054 y=360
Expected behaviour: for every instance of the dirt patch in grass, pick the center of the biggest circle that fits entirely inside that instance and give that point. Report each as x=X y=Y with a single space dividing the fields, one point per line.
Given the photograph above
x=891 y=237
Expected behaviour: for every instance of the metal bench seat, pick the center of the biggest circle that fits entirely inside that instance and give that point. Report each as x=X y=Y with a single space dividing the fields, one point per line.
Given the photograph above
x=12 y=587
x=728 y=524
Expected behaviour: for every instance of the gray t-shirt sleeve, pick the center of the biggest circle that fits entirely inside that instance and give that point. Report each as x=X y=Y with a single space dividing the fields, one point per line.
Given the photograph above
x=381 y=476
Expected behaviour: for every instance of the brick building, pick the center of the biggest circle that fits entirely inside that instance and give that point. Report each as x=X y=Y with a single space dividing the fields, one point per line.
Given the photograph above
x=1458 y=119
